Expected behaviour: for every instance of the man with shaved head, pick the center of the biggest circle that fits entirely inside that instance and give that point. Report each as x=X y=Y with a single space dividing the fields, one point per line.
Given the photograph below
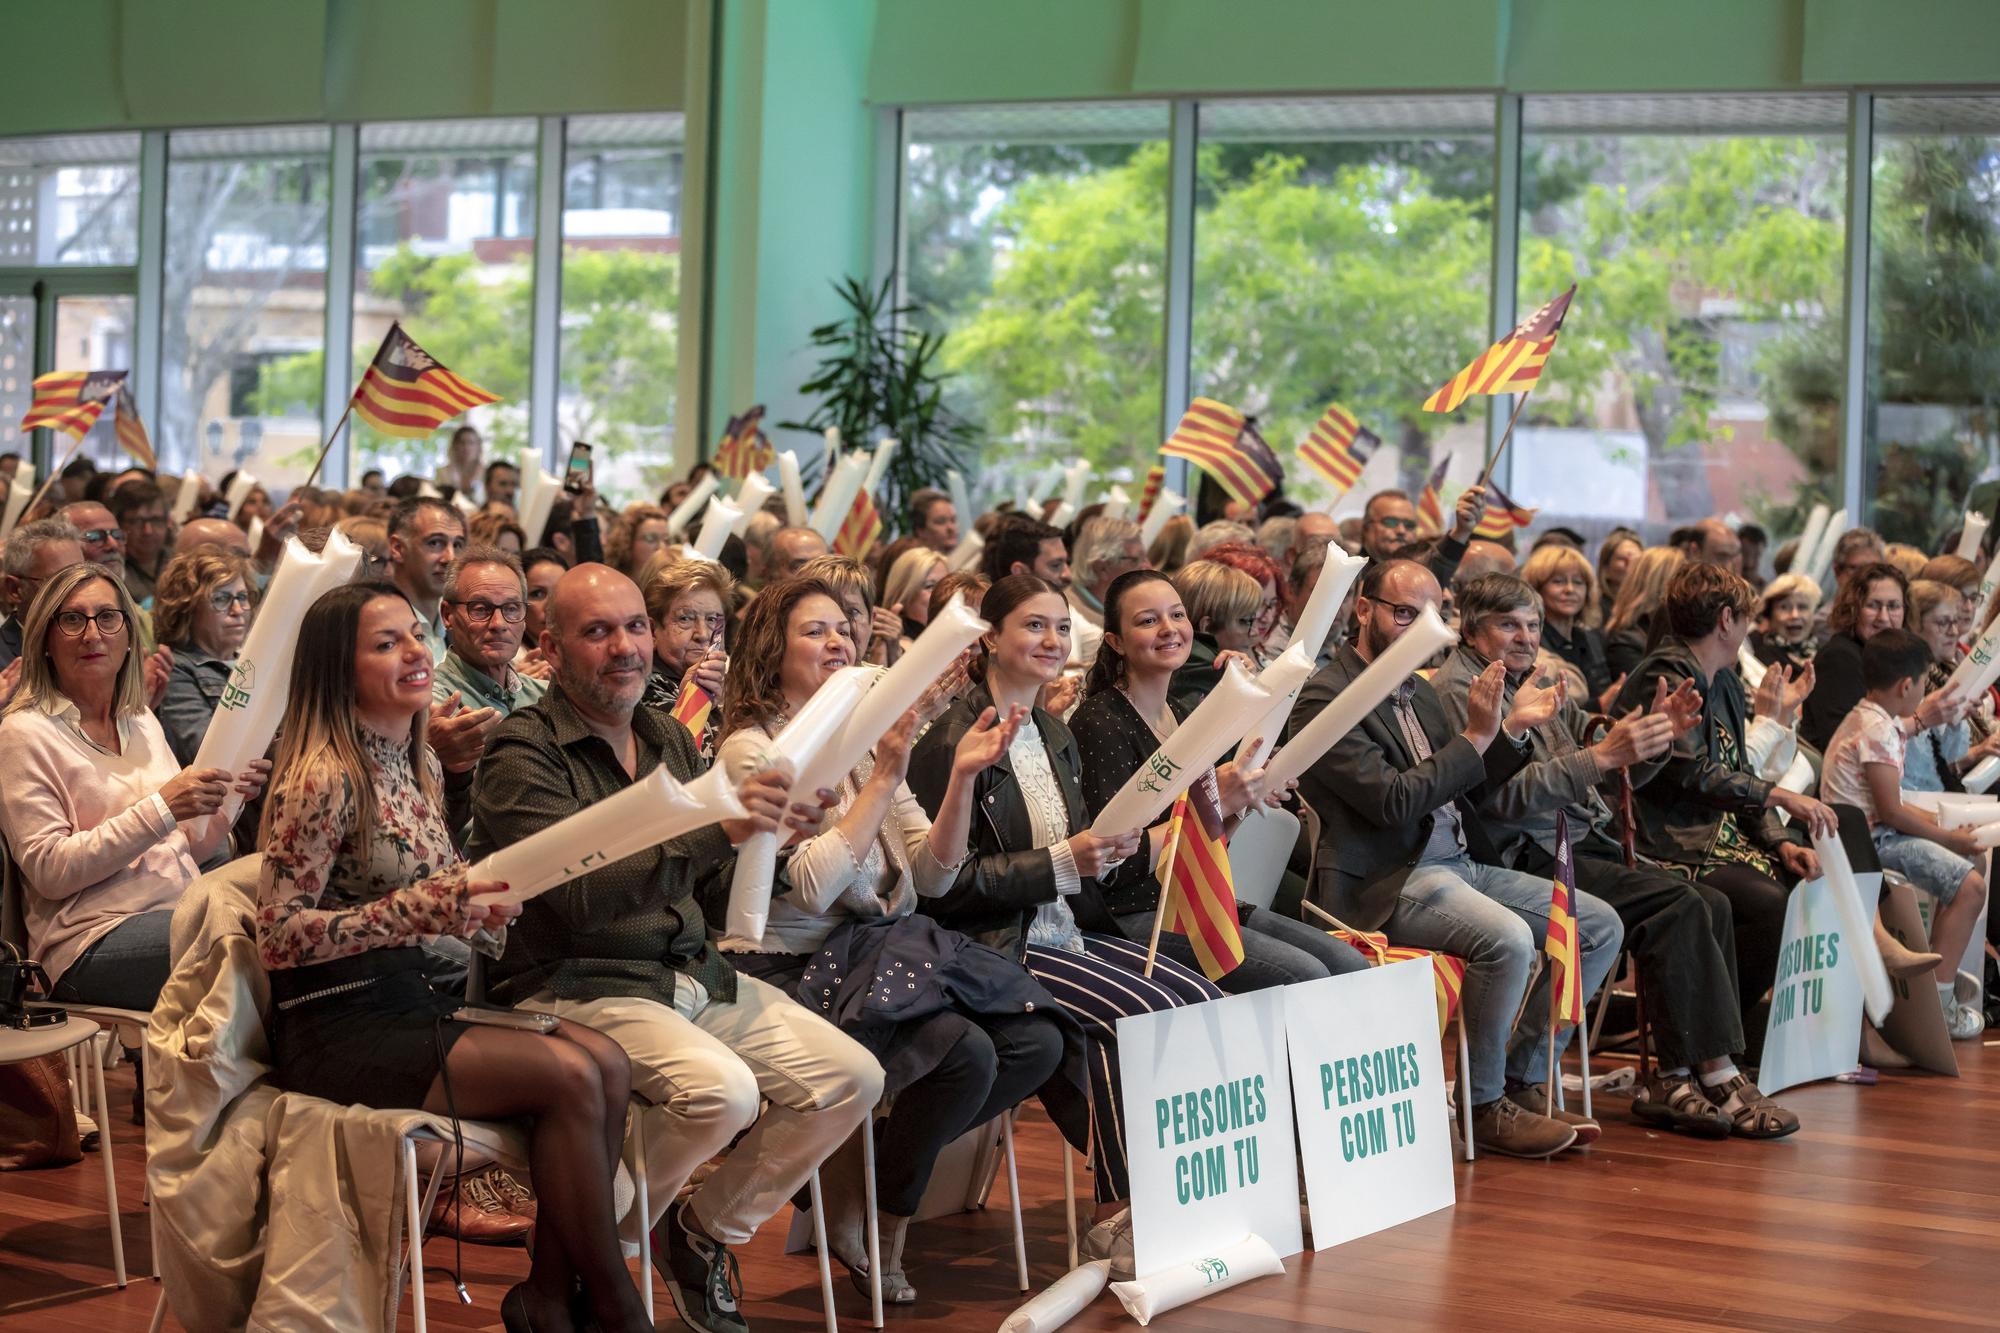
x=212 y=532
x=625 y=949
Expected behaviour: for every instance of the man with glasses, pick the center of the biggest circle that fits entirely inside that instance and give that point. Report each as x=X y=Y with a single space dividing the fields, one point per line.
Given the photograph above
x=1402 y=850
x=485 y=614
x=103 y=539
x=36 y=552
x=1389 y=523
x=141 y=514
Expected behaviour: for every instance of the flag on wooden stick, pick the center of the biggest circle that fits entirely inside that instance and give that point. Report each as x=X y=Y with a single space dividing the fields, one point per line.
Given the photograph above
x=71 y=401
x=407 y=393
x=1224 y=443
x=132 y=435
x=1511 y=365
x=1566 y=972
x=1338 y=447
x=1201 y=896
x=1502 y=515
x=1430 y=501
x=744 y=448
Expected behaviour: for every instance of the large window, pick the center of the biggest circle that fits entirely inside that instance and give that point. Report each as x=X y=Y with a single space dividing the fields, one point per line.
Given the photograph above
x=1933 y=312
x=72 y=199
x=244 y=291
x=445 y=243
x=621 y=286
x=1343 y=251
x=1699 y=371
x=1035 y=238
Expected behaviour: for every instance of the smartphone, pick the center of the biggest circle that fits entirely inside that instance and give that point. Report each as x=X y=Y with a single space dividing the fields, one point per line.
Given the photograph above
x=525 y=1020
x=577 y=478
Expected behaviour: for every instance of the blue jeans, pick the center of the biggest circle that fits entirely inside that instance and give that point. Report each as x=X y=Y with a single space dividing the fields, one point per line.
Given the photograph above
x=1277 y=951
x=1497 y=921
x=124 y=969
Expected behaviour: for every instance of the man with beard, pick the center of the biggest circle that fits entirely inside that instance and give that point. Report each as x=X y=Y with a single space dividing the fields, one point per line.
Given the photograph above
x=624 y=949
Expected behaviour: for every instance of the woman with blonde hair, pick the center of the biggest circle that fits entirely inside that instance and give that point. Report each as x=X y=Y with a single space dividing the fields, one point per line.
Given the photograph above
x=1628 y=633
x=637 y=534
x=1169 y=550
x=877 y=633
x=1568 y=588
x=359 y=873
x=1223 y=606
x=202 y=608
x=688 y=602
x=907 y=587
x=106 y=826
x=1783 y=632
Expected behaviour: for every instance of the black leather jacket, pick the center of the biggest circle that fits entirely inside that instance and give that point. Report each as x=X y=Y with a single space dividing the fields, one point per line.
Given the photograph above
x=1681 y=809
x=1007 y=877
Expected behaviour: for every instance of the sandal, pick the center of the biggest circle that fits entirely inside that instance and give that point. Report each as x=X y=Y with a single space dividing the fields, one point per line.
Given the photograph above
x=1678 y=1103
x=1751 y=1114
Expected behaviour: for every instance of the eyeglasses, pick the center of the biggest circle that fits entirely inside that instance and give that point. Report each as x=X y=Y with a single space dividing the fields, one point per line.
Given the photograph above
x=110 y=621
x=687 y=621
x=481 y=612
x=1397 y=524
x=99 y=536
x=223 y=601
x=148 y=521
x=1403 y=613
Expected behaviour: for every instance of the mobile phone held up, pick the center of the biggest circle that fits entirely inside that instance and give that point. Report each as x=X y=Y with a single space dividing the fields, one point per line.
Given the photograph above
x=577 y=477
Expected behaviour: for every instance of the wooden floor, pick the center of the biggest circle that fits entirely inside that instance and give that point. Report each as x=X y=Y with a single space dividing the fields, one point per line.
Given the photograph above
x=1883 y=1213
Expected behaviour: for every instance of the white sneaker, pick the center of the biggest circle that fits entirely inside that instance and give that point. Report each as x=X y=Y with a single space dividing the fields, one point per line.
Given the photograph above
x=1961 y=1020
x=1112 y=1239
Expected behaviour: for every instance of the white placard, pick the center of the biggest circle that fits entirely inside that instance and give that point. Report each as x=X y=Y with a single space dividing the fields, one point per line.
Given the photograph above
x=836 y=497
x=1989 y=583
x=1969 y=537
x=1063 y=1300
x=966 y=554
x=1233 y=706
x=795 y=491
x=878 y=465
x=1814 y=1029
x=1426 y=636
x=540 y=489
x=240 y=487
x=1208 y=1116
x=716 y=525
x=1165 y=505
x=1284 y=678
x=1369 y=1078
x=20 y=490
x=961 y=498
x=1807 y=550
x=1076 y=479
x=690 y=505
x=1829 y=542
x=185 y=496
x=1147 y=1297
x=1117 y=503
x=750 y=499
x=1854 y=899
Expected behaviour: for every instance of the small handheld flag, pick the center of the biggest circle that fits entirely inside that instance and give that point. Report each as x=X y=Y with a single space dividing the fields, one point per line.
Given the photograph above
x=1339 y=447
x=1430 y=501
x=1201 y=896
x=744 y=448
x=692 y=710
x=1566 y=974
x=132 y=435
x=1224 y=443
x=407 y=393
x=1511 y=365
x=1156 y=477
x=1502 y=515
x=861 y=529
x=71 y=401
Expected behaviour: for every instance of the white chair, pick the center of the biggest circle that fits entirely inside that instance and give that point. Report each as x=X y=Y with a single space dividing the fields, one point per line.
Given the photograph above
x=1259 y=850
x=77 y=1038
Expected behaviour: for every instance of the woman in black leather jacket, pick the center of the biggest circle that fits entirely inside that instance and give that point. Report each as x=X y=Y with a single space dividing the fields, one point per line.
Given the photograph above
x=1032 y=884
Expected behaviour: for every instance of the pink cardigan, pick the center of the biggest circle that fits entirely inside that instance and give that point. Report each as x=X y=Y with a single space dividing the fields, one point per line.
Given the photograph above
x=94 y=841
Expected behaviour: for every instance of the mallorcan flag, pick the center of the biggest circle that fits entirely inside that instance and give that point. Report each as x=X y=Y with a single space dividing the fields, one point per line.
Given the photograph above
x=1502 y=515
x=1565 y=973
x=744 y=448
x=859 y=530
x=407 y=393
x=1222 y=442
x=1201 y=896
x=1430 y=501
x=1156 y=478
x=692 y=710
x=71 y=401
x=1339 y=447
x=1511 y=365
x=132 y=435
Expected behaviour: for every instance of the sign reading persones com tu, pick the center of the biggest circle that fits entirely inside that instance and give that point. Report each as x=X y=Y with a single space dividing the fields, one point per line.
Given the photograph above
x=1208 y=1128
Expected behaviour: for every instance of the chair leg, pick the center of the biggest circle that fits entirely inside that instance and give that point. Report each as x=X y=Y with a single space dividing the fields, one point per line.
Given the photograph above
x=159 y=1320
x=825 y=1259
x=1069 y=1197
x=645 y=1206
x=874 y=1222
x=413 y=1221
x=110 y=1175
x=1464 y=1088
x=1014 y=1199
x=1645 y=1031
x=1583 y=1057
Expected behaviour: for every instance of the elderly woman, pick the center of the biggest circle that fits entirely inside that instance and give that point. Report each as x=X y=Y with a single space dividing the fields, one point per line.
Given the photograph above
x=107 y=827
x=688 y=603
x=1253 y=560
x=201 y=610
x=1783 y=634
x=636 y=536
x=1568 y=589
x=1224 y=606
x=876 y=631
x=908 y=583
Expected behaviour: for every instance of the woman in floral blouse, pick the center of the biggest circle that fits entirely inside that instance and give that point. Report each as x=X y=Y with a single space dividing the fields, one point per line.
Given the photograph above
x=359 y=871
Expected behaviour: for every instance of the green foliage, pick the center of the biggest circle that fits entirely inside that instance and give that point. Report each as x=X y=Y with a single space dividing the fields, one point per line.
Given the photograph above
x=877 y=375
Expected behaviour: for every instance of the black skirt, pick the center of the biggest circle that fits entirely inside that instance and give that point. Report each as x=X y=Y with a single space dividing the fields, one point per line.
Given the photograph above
x=378 y=1042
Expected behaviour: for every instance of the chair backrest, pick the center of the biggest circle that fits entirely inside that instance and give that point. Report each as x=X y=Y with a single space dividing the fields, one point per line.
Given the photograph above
x=13 y=903
x=1259 y=851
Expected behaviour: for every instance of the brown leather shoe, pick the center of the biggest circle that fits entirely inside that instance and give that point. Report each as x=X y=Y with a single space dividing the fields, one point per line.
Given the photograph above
x=513 y=1192
x=474 y=1212
x=1534 y=1099
x=1502 y=1126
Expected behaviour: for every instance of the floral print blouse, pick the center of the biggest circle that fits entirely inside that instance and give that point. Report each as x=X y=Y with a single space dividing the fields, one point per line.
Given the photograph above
x=321 y=897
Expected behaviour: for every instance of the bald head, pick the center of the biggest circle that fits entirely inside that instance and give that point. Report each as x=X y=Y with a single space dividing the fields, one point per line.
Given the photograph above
x=791 y=548
x=1484 y=557
x=1314 y=527
x=213 y=532
x=599 y=640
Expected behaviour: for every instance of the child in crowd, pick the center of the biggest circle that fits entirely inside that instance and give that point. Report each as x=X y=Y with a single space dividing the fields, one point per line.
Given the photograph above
x=1864 y=768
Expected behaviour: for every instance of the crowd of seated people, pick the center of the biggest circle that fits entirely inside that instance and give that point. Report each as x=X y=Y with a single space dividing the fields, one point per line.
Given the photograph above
x=1689 y=724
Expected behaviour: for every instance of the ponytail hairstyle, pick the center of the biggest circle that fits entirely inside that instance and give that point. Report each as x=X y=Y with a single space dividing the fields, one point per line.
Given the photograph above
x=1108 y=671
x=1001 y=600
